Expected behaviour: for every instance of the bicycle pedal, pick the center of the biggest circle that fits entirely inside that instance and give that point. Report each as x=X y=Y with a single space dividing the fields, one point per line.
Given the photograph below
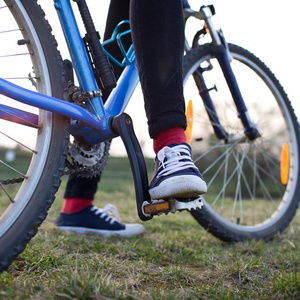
x=158 y=207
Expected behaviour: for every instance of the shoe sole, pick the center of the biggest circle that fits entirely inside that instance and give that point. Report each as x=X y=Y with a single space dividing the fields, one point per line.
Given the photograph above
x=131 y=230
x=185 y=186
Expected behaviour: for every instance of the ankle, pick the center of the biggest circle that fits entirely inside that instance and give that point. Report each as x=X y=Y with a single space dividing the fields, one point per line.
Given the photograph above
x=173 y=135
x=72 y=205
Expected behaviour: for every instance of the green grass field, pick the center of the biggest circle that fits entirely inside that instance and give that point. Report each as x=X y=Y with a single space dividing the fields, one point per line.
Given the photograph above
x=174 y=259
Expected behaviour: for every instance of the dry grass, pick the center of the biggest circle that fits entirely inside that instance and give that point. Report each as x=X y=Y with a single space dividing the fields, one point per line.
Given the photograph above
x=174 y=259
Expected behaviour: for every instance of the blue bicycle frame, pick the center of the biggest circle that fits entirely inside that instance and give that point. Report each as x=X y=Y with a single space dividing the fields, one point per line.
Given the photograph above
x=98 y=122
x=94 y=122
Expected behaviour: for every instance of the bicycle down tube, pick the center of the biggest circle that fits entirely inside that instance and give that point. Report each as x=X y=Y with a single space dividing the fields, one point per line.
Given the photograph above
x=98 y=122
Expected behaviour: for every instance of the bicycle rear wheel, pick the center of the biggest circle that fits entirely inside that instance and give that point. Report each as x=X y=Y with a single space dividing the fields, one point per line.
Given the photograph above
x=253 y=189
x=31 y=156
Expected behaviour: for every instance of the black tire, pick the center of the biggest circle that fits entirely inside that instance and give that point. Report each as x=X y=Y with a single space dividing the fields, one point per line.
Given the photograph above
x=246 y=196
x=20 y=220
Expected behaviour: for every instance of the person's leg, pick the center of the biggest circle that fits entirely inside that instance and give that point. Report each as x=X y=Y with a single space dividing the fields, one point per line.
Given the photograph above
x=78 y=213
x=158 y=38
x=80 y=191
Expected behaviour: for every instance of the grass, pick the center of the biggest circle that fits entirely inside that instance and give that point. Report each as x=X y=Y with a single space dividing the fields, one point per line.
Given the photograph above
x=173 y=259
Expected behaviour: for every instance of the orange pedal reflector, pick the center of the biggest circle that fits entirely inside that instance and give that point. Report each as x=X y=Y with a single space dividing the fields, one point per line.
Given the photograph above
x=157 y=207
x=284 y=163
x=190 y=119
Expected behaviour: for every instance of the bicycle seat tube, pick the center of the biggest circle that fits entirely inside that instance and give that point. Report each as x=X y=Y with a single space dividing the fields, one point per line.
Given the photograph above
x=81 y=63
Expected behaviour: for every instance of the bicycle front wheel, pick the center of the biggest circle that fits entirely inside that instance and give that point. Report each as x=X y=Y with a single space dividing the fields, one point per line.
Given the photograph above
x=253 y=189
x=31 y=159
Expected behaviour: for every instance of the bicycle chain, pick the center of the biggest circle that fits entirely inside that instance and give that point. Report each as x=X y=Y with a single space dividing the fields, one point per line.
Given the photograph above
x=74 y=168
x=71 y=169
x=11 y=181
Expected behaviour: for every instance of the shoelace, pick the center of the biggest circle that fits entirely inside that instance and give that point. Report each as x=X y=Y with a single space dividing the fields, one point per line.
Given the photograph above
x=109 y=212
x=174 y=159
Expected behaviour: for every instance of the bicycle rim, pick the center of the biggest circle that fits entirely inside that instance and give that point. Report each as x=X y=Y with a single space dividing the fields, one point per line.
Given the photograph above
x=24 y=150
x=247 y=194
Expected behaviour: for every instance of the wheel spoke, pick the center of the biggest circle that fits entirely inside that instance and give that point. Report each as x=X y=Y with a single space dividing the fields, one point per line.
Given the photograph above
x=19 y=143
x=7 y=193
x=245 y=193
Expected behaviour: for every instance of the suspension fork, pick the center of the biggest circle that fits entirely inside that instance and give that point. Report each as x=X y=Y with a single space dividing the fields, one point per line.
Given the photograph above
x=222 y=54
x=208 y=104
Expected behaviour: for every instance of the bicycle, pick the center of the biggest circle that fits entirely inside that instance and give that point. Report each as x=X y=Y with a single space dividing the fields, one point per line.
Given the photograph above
x=251 y=167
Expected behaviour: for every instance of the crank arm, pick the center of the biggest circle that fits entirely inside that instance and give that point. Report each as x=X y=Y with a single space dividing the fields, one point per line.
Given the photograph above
x=122 y=125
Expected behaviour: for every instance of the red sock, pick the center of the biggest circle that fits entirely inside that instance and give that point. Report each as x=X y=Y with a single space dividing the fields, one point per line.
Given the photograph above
x=174 y=135
x=72 y=205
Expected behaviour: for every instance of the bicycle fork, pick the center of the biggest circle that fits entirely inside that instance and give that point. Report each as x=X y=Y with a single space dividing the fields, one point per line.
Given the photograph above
x=222 y=54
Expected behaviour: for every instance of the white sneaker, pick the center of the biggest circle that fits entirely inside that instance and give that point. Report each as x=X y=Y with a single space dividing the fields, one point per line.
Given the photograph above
x=176 y=175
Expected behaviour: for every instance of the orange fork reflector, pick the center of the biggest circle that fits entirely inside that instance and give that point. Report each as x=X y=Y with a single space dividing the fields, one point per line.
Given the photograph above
x=284 y=163
x=189 y=118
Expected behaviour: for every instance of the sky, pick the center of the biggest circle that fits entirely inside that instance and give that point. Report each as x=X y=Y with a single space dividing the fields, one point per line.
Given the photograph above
x=267 y=28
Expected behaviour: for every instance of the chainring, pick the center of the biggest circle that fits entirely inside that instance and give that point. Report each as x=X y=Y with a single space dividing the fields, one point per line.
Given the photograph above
x=87 y=160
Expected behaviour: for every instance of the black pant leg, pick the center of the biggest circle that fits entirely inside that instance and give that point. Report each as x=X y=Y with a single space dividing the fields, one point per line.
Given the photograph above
x=158 y=38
